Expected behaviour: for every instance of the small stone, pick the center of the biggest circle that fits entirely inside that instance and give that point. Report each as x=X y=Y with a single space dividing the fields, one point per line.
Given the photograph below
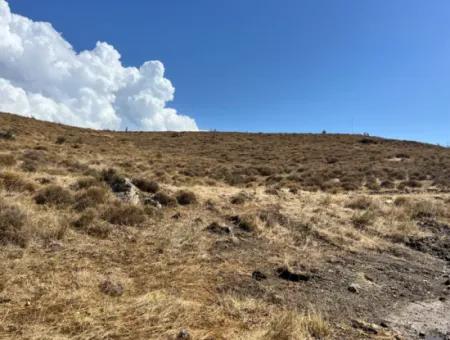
x=354 y=288
x=183 y=335
x=447 y=282
x=111 y=288
x=442 y=299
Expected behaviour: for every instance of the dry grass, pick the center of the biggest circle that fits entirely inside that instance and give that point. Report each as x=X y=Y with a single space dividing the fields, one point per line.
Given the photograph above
x=70 y=241
x=12 y=220
x=293 y=326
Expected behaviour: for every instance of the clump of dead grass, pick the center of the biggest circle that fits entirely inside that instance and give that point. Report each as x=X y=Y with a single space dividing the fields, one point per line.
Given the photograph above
x=360 y=203
x=12 y=221
x=290 y=325
x=124 y=214
x=185 y=197
x=53 y=195
x=364 y=219
x=13 y=181
x=146 y=185
x=90 y=198
x=164 y=199
x=7 y=159
x=88 y=223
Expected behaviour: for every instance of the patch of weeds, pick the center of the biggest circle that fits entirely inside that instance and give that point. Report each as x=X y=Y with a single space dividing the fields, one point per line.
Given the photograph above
x=186 y=197
x=7 y=159
x=116 y=181
x=53 y=195
x=360 y=203
x=85 y=183
x=240 y=198
x=15 y=182
x=60 y=140
x=90 y=198
x=362 y=220
x=124 y=214
x=12 y=221
x=88 y=224
x=246 y=223
x=146 y=185
x=164 y=199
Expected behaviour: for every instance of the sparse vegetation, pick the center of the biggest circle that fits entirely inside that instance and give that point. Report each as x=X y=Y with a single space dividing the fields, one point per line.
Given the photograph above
x=282 y=226
x=146 y=185
x=7 y=160
x=124 y=214
x=186 y=197
x=53 y=195
x=12 y=220
x=164 y=199
x=90 y=198
x=12 y=181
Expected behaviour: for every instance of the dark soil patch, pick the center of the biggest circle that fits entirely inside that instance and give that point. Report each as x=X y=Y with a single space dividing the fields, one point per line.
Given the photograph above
x=216 y=228
x=285 y=274
x=437 y=245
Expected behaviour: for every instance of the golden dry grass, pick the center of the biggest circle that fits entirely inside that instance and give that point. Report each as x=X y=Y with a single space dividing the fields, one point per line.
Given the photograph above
x=64 y=231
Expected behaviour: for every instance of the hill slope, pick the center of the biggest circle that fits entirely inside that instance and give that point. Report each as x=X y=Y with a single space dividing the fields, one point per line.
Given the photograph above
x=113 y=235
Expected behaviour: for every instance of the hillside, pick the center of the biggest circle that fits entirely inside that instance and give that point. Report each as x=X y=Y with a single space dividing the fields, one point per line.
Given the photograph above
x=208 y=235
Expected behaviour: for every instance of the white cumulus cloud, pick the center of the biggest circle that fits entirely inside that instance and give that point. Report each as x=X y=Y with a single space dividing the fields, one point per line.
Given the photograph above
x=42 y=76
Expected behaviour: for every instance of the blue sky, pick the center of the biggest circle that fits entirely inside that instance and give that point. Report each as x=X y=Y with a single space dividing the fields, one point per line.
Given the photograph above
x=381 y=67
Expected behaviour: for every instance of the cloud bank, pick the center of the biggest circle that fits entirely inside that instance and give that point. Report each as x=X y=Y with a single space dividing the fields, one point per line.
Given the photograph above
x=41 y=75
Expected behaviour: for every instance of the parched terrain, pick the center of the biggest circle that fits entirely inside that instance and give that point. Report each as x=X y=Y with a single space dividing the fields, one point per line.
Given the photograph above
x=114 y=235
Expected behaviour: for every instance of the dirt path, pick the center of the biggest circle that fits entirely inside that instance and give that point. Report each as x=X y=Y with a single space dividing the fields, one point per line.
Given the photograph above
x=426 y=320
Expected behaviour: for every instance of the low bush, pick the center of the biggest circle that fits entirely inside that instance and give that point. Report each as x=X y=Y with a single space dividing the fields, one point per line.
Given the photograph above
x=362 y=220
x=90 y=198
x=186 y=197
x=60 y=140
x=124 y=214
x=164 y=199
x=86 y=182
x=12 y=221
x=53 y=195
x=7 y=159
x=15 y=182
x=360 y=203
x=240 y=198
x=88 y=224
x=146 y=185
x=116 y=181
